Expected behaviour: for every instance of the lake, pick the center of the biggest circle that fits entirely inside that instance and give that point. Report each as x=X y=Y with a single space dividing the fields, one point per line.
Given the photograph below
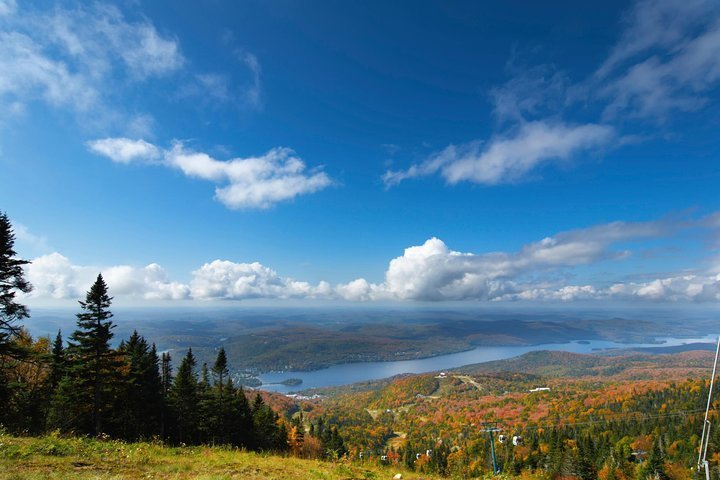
x=347 y=373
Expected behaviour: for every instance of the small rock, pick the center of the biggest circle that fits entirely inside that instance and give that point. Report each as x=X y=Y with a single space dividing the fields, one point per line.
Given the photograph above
x=398 y=476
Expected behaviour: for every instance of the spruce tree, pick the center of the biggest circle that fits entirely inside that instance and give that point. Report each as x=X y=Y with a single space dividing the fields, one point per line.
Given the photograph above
x=166 y=383
x=184 y=399
x=220 y=368
x=141 y=402
x=654 y=466
x=95 y=365
x=12 y=281
x=57 y=362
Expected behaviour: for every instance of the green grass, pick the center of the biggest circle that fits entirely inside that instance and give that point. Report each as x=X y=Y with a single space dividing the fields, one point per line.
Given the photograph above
x=55 y=457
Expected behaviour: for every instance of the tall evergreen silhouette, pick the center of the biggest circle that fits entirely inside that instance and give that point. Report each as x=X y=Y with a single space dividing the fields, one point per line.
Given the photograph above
x=94 y=365
x=185 y=400
x=220 y=368
x=12 y=281
x=57 y=362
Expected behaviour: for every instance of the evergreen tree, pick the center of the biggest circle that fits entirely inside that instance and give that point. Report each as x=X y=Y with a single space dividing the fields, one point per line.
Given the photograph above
x=242 y=418
x=185 y=401
x=57 y=362
x=94 y=368
x=140 y=406
x=220 y=368
x=166 y=383
x=12 y=281
x=269 y=435
x=654 y=466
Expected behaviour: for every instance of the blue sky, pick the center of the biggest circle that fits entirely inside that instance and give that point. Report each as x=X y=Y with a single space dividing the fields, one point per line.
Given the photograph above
x=364 y=152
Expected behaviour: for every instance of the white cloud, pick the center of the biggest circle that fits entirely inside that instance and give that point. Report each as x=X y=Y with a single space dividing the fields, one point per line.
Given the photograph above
x=225 y=280
x=253 y=182
x=427 y=272
x=511 y=158
x=28 y=74
x=80 y=58
x=125 y=150
x=667 y=59
x=54 y=276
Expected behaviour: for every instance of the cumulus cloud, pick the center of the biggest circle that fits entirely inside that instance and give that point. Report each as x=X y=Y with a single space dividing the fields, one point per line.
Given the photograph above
x=225 y=280
x=54 y=276
x=508 y=158
x=253 y=182
x=431 y=271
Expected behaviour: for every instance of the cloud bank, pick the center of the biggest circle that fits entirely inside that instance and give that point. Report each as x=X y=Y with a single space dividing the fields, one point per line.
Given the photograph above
x=428 y=272
x=253 y=182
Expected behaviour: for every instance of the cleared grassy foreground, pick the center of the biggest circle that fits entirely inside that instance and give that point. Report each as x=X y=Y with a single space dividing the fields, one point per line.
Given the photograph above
x=53 y=457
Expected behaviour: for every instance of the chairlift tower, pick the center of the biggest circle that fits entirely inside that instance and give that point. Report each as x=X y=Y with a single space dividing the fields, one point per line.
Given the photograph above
x=491 y=428
x=705 y=438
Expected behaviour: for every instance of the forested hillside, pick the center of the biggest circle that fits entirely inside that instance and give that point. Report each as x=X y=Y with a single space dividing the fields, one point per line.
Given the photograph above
x=573 y=416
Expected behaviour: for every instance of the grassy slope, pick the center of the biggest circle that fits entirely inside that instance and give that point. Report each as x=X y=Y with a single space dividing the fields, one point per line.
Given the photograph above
x=51 y=457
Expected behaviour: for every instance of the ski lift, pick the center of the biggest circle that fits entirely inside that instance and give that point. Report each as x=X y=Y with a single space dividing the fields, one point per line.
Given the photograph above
x=502 y=438
x=517 y=440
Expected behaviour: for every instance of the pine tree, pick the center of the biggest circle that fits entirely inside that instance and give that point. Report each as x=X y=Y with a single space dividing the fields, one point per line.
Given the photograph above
x=12 y=280
x=95 y=365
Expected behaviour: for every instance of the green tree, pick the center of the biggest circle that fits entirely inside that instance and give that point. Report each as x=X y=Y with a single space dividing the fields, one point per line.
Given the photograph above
x=220 y=368
x=654 y=466
x=57 y=362
x=12 y=281
x=166 y=381
x=269 y=435
x=141 y=402
x=94 y=365
x=185 y=400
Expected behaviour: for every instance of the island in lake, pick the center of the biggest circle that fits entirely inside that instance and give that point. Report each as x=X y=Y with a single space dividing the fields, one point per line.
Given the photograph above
x=292 y=382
